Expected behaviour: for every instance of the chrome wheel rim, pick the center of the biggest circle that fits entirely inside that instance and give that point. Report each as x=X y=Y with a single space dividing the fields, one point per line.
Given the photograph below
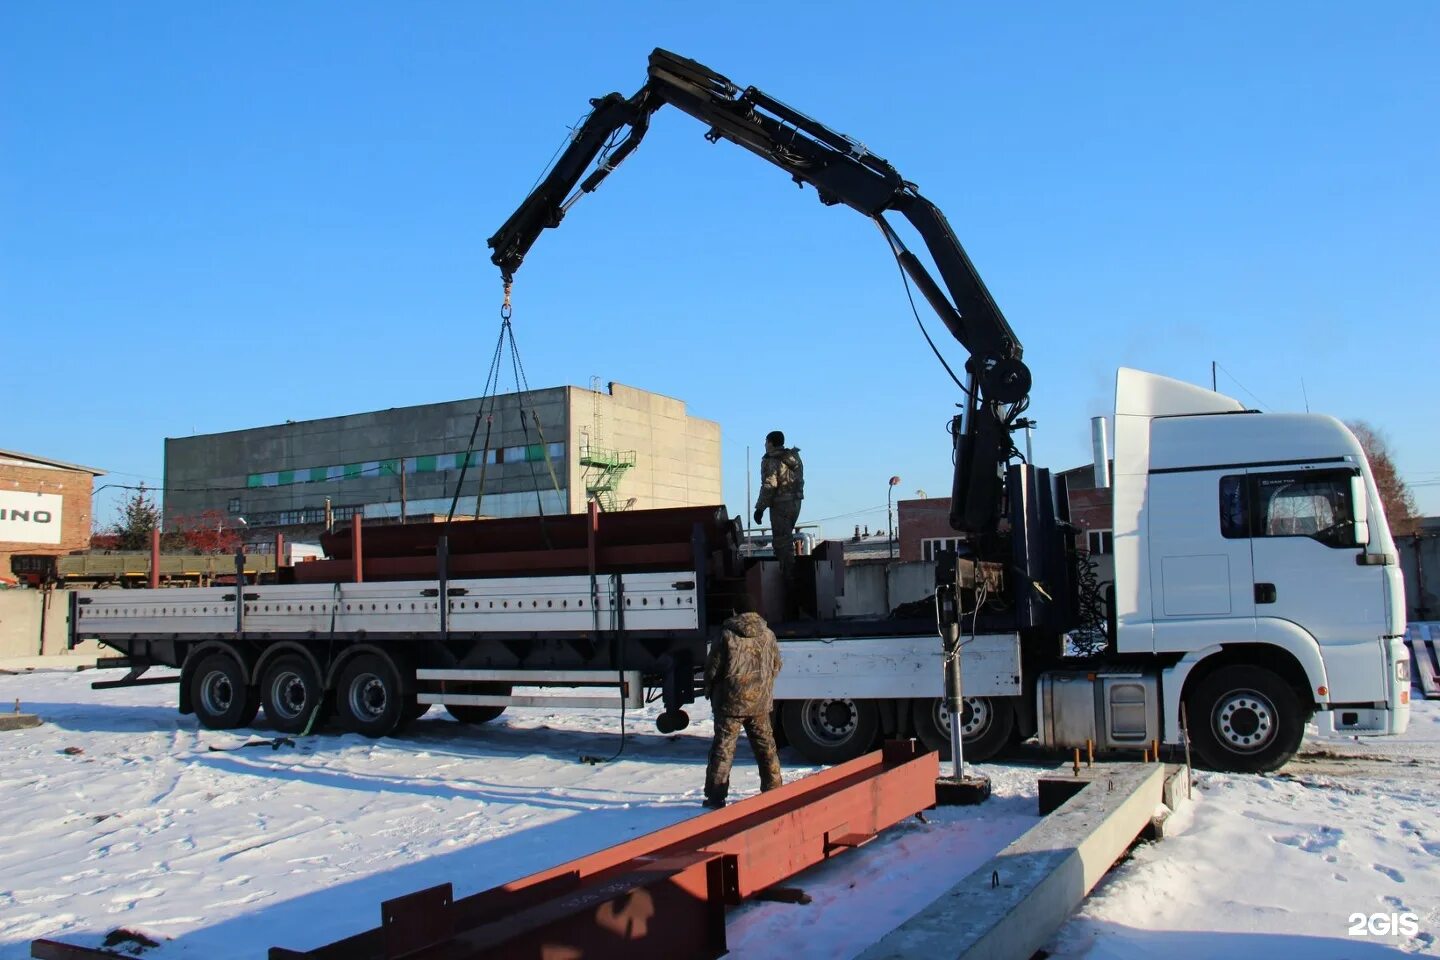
x=1244 y=721
x=368 y=697
x=831 y=721
x=975 y=719
x=217 y=693
x=288 y=694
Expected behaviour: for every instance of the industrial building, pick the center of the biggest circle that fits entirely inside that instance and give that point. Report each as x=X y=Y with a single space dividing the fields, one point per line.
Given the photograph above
x=45 y=509
x=541 y=451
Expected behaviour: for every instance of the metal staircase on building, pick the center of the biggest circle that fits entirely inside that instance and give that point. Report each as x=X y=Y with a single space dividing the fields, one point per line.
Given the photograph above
x=604 y=469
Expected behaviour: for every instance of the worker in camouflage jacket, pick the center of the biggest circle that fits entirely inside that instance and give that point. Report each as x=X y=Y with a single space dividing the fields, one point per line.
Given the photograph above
x=782 y=487
x=740 y=682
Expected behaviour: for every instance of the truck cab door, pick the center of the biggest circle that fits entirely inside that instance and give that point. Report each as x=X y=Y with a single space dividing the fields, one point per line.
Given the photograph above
x=1200 y=579
x=1311 y=569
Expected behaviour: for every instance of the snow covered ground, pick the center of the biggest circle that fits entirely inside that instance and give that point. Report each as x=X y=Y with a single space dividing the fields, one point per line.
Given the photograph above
x=1280 y=866
x=119 y=815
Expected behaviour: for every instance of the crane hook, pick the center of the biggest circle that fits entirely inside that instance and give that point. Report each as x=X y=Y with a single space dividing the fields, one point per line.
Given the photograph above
x=505 y=304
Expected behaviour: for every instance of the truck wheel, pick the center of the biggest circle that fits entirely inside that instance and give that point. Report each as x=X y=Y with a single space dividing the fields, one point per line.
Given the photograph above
x=830 y=730
x=219 y=694
x=291 y=693
x=369 y=697
x=985 y=726
x=472 y=713
x=1244 y=719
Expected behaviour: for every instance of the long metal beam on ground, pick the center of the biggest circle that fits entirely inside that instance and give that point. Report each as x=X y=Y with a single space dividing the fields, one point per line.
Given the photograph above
x=662 y=895
x=1010 y=907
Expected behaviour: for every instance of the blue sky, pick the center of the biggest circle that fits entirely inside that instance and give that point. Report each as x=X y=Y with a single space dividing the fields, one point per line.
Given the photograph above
x=220 y=216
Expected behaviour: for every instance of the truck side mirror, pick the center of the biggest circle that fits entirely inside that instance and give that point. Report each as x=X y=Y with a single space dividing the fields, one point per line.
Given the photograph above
x=1360 y=509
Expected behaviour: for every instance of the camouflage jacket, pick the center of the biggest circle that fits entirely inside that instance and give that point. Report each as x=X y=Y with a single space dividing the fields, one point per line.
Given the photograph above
x=782 y=477
x=741 y=669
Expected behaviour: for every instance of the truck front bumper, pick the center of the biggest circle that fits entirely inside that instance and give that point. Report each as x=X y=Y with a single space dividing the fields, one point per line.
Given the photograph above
x=1377 y=720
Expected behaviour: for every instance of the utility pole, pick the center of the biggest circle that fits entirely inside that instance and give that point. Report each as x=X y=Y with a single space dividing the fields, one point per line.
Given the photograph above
x=746 y=509
x=1212 y=377
x=402 y=489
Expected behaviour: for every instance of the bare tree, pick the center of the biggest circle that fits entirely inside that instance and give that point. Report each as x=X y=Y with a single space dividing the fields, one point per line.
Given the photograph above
x=1396 y=497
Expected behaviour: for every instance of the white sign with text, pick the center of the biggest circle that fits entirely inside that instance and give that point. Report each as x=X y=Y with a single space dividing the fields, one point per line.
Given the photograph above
x=29 y=517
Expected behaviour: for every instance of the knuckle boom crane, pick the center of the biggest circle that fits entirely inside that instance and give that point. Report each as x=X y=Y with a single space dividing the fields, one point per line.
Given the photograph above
x=842 y=171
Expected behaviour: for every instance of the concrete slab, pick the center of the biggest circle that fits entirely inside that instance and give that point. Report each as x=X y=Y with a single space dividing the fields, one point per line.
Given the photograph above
x=18 y=721
x=1012 y=905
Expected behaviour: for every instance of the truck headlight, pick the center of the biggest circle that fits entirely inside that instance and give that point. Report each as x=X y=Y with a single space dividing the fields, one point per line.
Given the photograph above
x=1402 y=670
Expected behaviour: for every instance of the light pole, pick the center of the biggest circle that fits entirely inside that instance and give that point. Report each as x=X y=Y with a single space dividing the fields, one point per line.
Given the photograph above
x=889 y=513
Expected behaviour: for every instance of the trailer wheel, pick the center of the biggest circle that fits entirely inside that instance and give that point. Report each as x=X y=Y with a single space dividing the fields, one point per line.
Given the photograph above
x=414 y=711
x=985 y=726
x=474 y=713
x=219 y=694
x=830 y=730
x=291 y=693
x=1244 y=719
x=369 y=697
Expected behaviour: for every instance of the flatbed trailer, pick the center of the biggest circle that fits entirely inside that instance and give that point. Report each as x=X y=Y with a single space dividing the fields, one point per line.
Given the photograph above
x=378 y=654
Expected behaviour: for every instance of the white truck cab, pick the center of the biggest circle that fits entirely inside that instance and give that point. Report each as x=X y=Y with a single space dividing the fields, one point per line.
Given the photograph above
x=1256 y=589
x=1252 y=549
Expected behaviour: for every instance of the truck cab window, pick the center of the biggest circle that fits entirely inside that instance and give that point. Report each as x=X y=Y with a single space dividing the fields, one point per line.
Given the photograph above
x=1314 y=504
x=1234 y=519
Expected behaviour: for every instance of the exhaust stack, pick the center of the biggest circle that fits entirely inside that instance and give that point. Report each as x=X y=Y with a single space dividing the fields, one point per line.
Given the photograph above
x=1101 y=444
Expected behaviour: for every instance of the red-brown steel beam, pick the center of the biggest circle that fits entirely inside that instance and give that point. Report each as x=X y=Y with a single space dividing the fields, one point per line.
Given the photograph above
x=631 y=558
x=357 y=552
x=748 y=846
x=660 y=895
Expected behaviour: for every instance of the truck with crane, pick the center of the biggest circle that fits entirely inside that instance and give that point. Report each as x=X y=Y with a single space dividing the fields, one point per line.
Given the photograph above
x=1256 y=586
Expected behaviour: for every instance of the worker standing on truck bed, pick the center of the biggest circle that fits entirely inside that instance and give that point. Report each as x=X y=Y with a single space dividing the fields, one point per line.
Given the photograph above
x=782 y=487
x=740 y=677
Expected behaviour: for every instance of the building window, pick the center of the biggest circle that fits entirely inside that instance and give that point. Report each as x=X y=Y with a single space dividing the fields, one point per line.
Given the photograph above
x=932 y=547
x=1100 y=541
x=234 y=505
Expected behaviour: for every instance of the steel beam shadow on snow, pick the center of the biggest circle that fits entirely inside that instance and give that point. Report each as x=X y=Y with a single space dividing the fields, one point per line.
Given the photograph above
x=496 y=737
x=460 y=788
x=329 y=912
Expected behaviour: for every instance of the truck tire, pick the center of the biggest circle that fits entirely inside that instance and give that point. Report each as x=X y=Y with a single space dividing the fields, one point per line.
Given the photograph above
x=1244 y=719
x=471 y=713
x=219 y=694
x=369 y=697
x=292 y=695
x=985 y=727
x=830 y=730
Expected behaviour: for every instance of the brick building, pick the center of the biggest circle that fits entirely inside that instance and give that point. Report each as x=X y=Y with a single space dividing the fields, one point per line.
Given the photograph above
x=45 y=508
x=925 y=524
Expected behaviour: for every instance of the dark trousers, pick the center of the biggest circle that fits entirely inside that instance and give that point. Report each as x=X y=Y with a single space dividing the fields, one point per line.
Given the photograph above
x=783 y=515
x=722 y=753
